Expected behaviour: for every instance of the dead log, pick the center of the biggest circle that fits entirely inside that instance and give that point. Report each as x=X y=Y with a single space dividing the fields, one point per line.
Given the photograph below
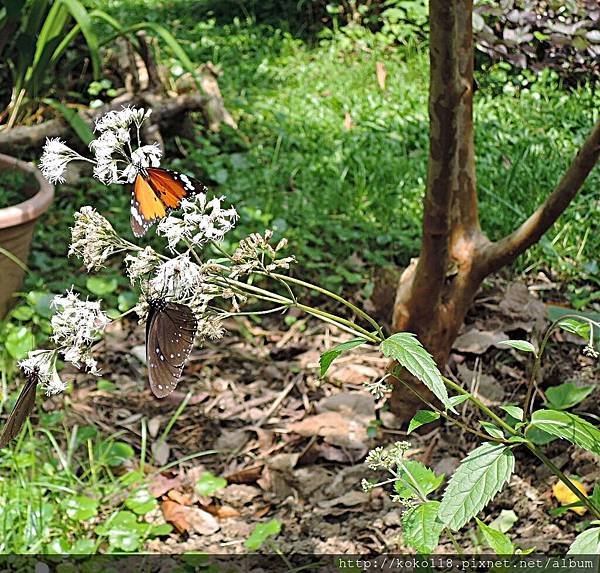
x=164 y=110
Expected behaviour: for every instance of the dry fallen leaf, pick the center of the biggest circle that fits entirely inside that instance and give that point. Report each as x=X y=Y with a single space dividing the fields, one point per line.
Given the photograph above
x=565 y=496
x=179 y=497
x=348 y=123
x=185 y=518
x=175 y=514
x=477 y=341
x=381 y=74
x=162 y=484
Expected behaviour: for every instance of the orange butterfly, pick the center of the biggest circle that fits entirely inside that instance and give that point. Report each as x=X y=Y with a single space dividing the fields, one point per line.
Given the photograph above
x=155 y=193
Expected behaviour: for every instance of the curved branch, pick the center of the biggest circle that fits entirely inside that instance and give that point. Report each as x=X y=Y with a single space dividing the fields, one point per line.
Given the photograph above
x=503 y=252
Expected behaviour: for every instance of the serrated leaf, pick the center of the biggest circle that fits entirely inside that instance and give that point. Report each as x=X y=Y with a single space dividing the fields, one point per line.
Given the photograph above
x=421 y=418
x=586 y=543
x=333 y=353
x=492 y=430
x=567 y=395
x=409 y=352
x=569 y=427
x=477 y=480
x=514 y=411
x=499 y=542
x=420 y=527
x=425 y=477
x=522 y=345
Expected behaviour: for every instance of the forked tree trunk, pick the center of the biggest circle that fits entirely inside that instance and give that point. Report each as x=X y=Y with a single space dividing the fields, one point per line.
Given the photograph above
x=435 y=293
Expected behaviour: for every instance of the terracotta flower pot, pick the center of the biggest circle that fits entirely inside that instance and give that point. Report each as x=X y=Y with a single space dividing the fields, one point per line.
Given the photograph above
x=16 y=227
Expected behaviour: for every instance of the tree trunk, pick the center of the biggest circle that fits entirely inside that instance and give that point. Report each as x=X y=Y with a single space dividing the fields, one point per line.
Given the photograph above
x=436 y=291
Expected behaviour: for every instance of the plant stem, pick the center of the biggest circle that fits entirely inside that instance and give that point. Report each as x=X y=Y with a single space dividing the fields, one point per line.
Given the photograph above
x=532 y=447
x=460 y=424
x=481 y=406
x=587 y=502
x=354 y=328
x=334 y=296
x=528 y=402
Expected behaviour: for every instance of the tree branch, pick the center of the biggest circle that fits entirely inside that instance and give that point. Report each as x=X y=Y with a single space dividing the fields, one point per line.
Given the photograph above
x=503 y=252
x=464 y=205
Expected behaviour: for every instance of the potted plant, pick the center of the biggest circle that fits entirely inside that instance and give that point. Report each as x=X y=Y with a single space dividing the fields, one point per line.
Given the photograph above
x=24 y=196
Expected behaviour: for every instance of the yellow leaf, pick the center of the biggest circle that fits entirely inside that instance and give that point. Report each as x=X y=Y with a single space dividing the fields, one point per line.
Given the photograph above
x=565 y=496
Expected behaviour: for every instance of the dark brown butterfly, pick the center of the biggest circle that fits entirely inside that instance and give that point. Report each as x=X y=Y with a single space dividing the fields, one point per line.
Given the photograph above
x=170 y=331
x=155 y=193
x=21 y=411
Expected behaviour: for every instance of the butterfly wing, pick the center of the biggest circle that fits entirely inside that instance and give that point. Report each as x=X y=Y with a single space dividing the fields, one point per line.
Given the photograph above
x=170 y=332
x=21 y=411
x=172 y=187
x=146 y=207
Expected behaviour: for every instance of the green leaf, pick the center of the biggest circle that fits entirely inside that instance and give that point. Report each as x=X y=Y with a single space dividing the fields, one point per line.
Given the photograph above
x=556 y=312
x=80 y=127
x=80 y=507
x=127 y=300
x=580 y=328
x=208 y=484
x=22 y=312
x=161 y=529
x=123 y=531
x=101 y=286
x=567 y=395
x=19 y=342
x=421 y=528
x=504 y=521
x=499 y=542
x=141 y=502
x=426 y=478
x=569 y=427
x=477 y=480
x=261 y=533
x=333 y=353
x=492 y=430
x=538 y=436
x=409 y=352
x=421 y=418
x=41 y=301
x=457 y=400
x=514 y=411
x=522 y=345
x=83 y=547
x=586 y=543
x=113 y=453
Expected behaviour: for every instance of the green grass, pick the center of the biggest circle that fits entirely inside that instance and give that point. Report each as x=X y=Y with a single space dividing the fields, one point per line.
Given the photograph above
x=349 y=200
x=337 y=192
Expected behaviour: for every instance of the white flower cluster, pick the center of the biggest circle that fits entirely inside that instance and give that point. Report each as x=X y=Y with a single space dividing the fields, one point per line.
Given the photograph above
x=199 y=222
x=255 y=253
x=184 y=277
x=93 y=238
x=115 y=160
x=76 y=325
x=42 y=364
x=141 y=263
x=55 y=158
